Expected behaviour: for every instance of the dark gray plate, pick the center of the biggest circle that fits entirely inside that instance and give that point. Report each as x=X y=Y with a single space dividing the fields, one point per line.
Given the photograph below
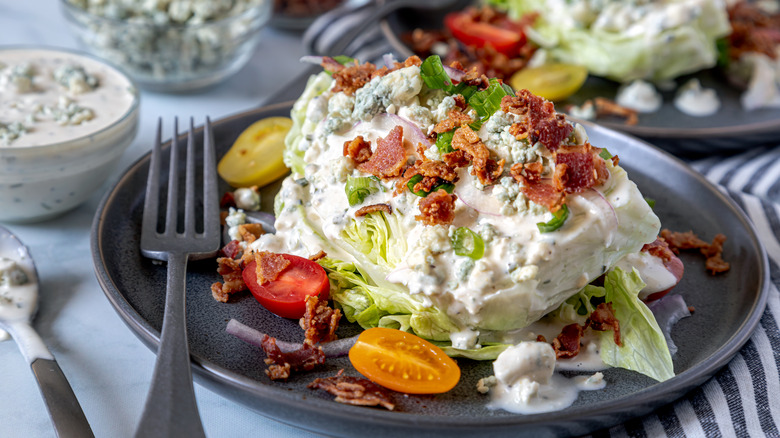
x=731 y=129
x=728 y=307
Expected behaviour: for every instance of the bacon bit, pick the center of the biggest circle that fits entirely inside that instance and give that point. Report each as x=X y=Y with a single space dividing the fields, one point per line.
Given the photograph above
x=527 y=172
x=250 y=232
x=476 y=78
x=567 y=344
x=603 y=319
x=354 y=391
x=753 y=30
x=319 y=255
x=712 y=251
x=541 y=338
x=269 y=266
x=231 y=272
x=351 y=78
x=331 y=64
x=456 y=118
x=373 y=208
x=389 y=157
x=659 y=248
x=691 y=309
x=615 y=160
x=437 y=208
x=606 y=107
x=455 y=159
x=223 y=216
x=358 y=149
x=543 y=194
x=468 y=141
x=579 y=168
x=438 y=169
x=542 y=123
x=232 y=249
x=281 y=365
x=319 y=321
x=519 y=131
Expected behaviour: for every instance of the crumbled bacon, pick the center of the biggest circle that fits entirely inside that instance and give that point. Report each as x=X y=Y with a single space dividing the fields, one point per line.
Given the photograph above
x=455 y=119
x=712 y=251
x=468 y=141
x=602 y=319
x=354 y=391
x=753 y=29
x=389 y=157
x=606 y=107
x=319 y=255
x=358 y=149
x=373 y=208
x=351 y=78
x=437 y=208
x=584 y=168
x=231 y=272
x=227 y=201
x=455 y=159
x=281 y=365
x=232 y=249
x=434 y=172
x=250 y=232
x=527 y=172
x=567 y=343
x=541 y=122
x=319 y=321
x=542 y=193
x=659 y=248
x=269 y=266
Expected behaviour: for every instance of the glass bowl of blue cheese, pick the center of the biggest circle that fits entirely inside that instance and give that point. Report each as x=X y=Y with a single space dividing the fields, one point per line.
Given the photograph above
x=66 y=118
x=174 y=45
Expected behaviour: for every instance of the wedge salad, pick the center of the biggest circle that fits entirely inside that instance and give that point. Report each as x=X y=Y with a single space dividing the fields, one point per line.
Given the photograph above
x=444 y=204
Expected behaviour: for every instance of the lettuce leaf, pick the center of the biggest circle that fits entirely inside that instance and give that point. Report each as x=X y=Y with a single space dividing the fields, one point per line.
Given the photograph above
x=644 y=348
x=293 y=155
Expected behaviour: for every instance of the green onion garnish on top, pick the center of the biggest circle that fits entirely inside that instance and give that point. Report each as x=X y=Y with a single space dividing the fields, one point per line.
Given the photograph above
x=358 y=188
x=559 y=217
x=468 y=243
x=650 y=202
x=433 y=73
x=444 y=142
x=605 y=154
x=446 y=186
x=487 y=102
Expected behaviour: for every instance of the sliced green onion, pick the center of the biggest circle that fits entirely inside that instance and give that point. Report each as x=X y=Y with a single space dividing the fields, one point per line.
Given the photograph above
x=433 y=73
x=358 y=188
x=446 y=186
x=444 y=142
x=487 y=102
x=650 y=202
x=464 y=90
x=605 y=154
x=344 y=60
x=559 y=217
x=468 y=243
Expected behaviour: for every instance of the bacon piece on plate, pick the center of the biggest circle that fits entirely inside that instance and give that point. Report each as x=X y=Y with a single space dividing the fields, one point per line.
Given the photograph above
x=319 y=321
x=389 y=157
x=567 y=344
x=688 y=240
x=603 y=319
x=437 y=208
x=354 y=391
x=269 y=266
x=281 y=365
x=230 y=269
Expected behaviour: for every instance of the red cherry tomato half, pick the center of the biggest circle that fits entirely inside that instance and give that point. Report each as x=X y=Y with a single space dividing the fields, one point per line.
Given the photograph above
x=286 y=296
x=477 y=34
x=675 y=266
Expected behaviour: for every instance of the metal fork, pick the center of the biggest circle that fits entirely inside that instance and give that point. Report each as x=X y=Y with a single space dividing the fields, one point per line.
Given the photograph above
x=170 y=408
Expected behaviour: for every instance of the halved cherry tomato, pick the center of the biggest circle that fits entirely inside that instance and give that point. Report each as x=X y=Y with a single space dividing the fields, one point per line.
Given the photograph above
x=551 y=81
x=676 y=267
x=403 y=362
x=286 y=296
x=477 y=34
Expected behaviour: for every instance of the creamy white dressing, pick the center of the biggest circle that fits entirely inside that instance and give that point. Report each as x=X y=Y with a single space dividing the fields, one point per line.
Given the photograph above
x=696 y=101
x=640 y=96
x=19 y=298
x=652 y=271
x=108 y=102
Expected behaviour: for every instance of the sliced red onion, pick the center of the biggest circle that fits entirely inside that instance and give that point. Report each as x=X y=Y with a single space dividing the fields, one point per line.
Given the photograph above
x=311 y=59
x=668 y=311
x=609 y=205
x=454 y=73
x=389 y=60
x=479 y=200
x=249 y=335
x=412 y=132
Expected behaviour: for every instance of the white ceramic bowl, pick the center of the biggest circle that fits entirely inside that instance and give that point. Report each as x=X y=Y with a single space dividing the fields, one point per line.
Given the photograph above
x=160 y=48
x=53 y=168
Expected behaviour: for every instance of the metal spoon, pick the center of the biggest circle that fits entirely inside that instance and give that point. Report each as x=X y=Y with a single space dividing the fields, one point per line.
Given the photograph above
x=18 y=305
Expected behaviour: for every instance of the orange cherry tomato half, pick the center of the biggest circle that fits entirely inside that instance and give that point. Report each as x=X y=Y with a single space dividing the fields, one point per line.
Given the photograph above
x=286 y=296
x=403 y=362
x=478 y=34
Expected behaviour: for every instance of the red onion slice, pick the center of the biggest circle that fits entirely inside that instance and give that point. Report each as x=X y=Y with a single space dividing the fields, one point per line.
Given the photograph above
x=412 y=132
x=311 y=59
x=249 y=335
x=454 y=73
x=389 y=60
x=480 y=200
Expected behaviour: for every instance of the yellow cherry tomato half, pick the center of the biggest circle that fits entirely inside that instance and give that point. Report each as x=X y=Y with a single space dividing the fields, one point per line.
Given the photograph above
x=255 y=159
x=552 y=81
x=403 y=362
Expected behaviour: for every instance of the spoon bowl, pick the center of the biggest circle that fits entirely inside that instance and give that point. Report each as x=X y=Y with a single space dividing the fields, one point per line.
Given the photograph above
x=18 y=306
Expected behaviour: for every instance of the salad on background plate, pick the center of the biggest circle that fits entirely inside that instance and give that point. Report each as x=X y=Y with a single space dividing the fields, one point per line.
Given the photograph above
x=443 y=204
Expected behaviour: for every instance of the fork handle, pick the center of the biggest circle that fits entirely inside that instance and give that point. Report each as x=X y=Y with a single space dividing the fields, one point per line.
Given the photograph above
x=171 y=410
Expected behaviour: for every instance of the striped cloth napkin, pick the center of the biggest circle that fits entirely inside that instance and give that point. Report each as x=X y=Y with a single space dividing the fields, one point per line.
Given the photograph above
x=742 y=399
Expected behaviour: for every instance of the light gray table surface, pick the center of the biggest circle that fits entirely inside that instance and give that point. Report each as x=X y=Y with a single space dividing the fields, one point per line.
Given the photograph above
x=107 y=366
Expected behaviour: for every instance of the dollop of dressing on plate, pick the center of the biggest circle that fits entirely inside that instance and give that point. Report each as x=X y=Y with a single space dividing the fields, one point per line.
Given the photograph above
x=696 y=101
